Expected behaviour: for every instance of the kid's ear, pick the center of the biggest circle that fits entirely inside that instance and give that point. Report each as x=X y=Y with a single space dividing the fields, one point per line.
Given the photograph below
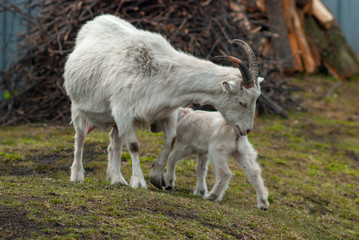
x=260 y=80
x=228 y=87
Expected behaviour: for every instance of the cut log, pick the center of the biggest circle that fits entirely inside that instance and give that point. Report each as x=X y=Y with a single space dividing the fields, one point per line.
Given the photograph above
x=321 y=12
x=297 y=38
x=330 y=56
x=306 y=54
x=342 y=50
x=278 y=28
x=305 y=5
x=315 y=52
x=295 y=51
x=289 y=11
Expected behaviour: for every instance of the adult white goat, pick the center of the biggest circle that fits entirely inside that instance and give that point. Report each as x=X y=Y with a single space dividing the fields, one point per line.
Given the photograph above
x=121 y=76
x=208 y=135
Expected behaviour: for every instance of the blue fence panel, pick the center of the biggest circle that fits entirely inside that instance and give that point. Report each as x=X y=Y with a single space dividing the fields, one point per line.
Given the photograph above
x=346 y=14
x=10 y=27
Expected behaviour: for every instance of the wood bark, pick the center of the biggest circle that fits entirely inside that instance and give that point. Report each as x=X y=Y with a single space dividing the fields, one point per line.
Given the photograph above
x=306 y=54
x=305 y=5
x=306 y=36
x=289 y=11
x=335 y=53
x=279 y=30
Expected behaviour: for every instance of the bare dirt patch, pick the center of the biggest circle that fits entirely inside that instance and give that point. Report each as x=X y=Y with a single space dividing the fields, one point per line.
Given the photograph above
x=38 y=163
x=14 y=223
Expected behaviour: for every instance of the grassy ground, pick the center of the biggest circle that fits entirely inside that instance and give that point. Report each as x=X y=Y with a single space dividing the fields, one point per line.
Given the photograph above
x=310 y=164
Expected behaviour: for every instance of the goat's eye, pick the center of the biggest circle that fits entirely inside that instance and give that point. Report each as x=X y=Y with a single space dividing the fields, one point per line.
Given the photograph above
x=243 y=104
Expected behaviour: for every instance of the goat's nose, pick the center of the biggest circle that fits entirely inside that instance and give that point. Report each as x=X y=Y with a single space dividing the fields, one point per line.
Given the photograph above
x=249 y=130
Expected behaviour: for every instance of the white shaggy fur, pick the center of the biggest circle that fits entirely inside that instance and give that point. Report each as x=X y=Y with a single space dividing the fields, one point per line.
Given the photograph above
x=208 y=135
x=121 y=76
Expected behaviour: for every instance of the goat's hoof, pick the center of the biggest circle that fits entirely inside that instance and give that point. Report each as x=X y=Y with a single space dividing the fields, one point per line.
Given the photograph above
x=138 y=182
x=211 y=197
x=157 y=180
x=77 y=180
x=138 y=185
x=200 y=193
x=163 y=181
x=117 y=181
x=78 y=176
x=167 y=182
x=263 y=204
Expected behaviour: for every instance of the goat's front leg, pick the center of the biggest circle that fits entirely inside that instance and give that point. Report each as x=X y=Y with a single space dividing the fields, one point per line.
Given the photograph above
x=133 y=146
x=222 y=175
x=246 y=156
x=77 y=170
x=201 y=170
x=114 y=159
x=169 y=130
x=127 y=134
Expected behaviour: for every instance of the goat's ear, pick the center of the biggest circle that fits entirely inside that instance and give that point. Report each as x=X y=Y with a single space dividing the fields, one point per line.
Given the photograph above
x=260 y=80
x=228 y=87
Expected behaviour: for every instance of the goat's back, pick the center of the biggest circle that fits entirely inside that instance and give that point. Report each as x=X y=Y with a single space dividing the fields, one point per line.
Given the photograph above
x=109 y=53
x=114 y=63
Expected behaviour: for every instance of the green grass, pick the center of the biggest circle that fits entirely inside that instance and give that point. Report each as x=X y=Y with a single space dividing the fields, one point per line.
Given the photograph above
x=310 y=164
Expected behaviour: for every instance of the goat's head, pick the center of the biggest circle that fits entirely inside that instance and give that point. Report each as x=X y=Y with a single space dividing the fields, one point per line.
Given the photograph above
x=240 y=95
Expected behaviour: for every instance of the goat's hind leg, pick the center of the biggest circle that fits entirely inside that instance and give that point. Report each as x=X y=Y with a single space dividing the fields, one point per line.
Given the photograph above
x=246 y=157
x=222 y=176
x=201 y=170
x=114 y=159
x=80 y=124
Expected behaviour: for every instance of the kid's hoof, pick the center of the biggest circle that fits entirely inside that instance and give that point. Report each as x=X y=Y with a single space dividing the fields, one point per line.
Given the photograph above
x=211 y=197
x=263 y=204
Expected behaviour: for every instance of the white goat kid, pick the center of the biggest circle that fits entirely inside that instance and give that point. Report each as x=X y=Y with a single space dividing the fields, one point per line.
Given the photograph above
x=208 y=135
x=121 y=76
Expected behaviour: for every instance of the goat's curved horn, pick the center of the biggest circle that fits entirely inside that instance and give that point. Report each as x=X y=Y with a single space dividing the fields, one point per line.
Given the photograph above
x=247 y=77
x=252 y=62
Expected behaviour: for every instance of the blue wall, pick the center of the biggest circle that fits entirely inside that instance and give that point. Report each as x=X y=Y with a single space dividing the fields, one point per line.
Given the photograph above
x=10 y=27
x=346 y=12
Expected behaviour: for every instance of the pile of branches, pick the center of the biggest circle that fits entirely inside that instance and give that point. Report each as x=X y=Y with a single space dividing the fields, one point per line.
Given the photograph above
x=202 y=28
